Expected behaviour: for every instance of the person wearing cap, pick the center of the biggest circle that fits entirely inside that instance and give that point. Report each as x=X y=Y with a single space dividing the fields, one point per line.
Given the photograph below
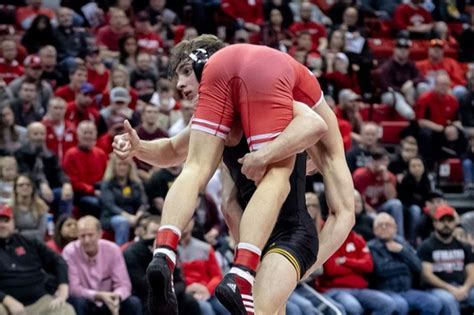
x=400 y=80
x=448 y=264
x=77 y=77
x=22 y=273
x=397 y=268
x=413 y=17
x=348 y=109
x=437 y=62
x=434 y=199
x=378 y=187
x=119 y=100
x=83 y=107
x=33 y=72
x=97 y=73
x=338 y=74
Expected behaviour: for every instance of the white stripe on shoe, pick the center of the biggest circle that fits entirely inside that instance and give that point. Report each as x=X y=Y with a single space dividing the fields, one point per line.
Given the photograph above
x=244 y=275
x=250 y=310
x=167 y=252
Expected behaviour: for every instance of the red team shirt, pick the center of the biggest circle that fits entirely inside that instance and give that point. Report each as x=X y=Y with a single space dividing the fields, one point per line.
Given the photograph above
x=258 y=87
x=406 y=15
x=440 y=109
x=10 y=71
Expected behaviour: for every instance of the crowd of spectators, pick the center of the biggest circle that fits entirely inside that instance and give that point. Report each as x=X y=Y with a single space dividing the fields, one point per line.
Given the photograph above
x=77 y=224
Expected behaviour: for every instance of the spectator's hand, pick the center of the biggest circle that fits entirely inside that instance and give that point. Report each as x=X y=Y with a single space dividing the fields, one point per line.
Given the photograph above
x=451 y=133
x=60 y=297
x=110 y=299
x=460 y=293
x=97 y=193
x=394 y=247
x=158 y=202
x=253 y=166
x=252 y=27
x=340 y=260
x=199 y=291
x=66 y=193
x=14 y=306
x=211 y=236
x=126 y=145
x=46 y=192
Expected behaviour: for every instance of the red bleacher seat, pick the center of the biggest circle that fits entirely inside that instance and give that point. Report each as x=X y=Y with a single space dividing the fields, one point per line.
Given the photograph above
x=450 y=174
x=382 y=48
x=108 y=235
x=391 y=131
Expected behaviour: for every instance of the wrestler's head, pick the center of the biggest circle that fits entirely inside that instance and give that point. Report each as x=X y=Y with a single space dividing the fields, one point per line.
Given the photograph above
x=181 y=64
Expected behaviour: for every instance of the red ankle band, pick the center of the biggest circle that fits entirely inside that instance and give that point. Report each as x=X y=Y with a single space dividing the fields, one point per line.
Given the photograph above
x=168 y=238
x=247 y=258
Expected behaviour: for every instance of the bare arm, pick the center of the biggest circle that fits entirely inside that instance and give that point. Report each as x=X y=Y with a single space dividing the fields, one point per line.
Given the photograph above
x=433 y=279
x=469 y=282
x=306 y=128
x=162 y=153
x=425 y=123
x=328 y=155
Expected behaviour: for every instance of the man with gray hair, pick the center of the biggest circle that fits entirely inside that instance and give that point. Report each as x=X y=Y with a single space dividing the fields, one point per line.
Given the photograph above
x=397 y=268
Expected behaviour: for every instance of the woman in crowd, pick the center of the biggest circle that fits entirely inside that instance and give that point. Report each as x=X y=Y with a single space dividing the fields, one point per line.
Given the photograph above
x=12 y=136
x=8 y=173
x=119 y=77
x=122 y=196
x=275 y=34
x=128 y=51
x=364 y=222
x=65 y=231
x=39 y=34
x=29 y=209
x=413 y=191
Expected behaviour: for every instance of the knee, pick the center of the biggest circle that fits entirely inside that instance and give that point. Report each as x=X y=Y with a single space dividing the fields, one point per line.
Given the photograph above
x=467 y=163
x=395 y=205
x=120 y=222
x=134 y=304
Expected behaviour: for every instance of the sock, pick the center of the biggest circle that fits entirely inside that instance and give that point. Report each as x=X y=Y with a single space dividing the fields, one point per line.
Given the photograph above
x=166 y=243
x=247 y=257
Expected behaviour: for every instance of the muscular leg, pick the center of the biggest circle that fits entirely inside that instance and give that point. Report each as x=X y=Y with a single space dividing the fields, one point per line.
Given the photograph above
x=262 y=211
x=275 y=281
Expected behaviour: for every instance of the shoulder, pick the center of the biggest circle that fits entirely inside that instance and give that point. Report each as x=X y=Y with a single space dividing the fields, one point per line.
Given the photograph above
x=71 y=249
x=109 y=247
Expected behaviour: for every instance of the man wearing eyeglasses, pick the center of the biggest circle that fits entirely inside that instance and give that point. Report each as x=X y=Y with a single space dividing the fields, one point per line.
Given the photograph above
x=447 y=264
x=397 y=268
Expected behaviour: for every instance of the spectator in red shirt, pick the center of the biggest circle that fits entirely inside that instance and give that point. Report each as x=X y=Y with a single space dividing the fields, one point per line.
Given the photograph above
x=82 y=107
x=378 y=186
x=60 y=133
x=339 y=75
x=97 y=73
x=345 y=279
x=85 y=165
x=10 y=68
x=247 y=14
x=201 y=271
x=77 y=77
x=317 y=31
x=414 y=18
x=109 y=35
x=437 y=62
x=438 y=108
x=148 y=41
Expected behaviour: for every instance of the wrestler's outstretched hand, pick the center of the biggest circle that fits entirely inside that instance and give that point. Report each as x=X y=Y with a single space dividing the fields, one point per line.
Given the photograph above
x=253 y=166
x=126 y=145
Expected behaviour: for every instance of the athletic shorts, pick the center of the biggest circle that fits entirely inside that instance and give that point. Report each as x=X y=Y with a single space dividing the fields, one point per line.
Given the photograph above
x=255 y=85
x=296 y=239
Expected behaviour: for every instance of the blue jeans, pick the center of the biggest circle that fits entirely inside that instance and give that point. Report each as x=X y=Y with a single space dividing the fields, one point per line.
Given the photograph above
x=121 y=229
x=394 y=207
x=468 y=171
x=305 y=305
x=212 y=307
x=60 y=206
x=414 y=215
x=357 y=301
x=423 y=302
x=451 y=306
x=83 y=306
x=322 y=302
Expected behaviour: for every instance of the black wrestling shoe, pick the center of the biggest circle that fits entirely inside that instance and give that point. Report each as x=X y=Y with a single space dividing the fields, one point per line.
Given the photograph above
x=161 y=295
x=235 y=293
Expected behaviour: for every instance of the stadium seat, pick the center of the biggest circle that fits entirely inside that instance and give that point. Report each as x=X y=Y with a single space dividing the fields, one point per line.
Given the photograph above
x=391 y=131
x=450 y=175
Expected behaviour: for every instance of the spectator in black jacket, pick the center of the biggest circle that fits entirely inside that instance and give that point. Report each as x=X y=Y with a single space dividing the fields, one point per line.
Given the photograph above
x=71 y=43
x=408 y=150
x=364 y=222
x=23 y=264
x=122 y=197
x=137 y=257
x=413 y=192
x=43 y=166
x=397 y=268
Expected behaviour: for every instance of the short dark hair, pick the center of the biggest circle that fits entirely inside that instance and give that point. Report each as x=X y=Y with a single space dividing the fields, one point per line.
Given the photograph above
x=28 y=81
x=180 y=52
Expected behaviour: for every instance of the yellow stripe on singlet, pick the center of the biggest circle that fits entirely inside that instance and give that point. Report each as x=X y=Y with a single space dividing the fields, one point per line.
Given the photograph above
x=290 y=258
